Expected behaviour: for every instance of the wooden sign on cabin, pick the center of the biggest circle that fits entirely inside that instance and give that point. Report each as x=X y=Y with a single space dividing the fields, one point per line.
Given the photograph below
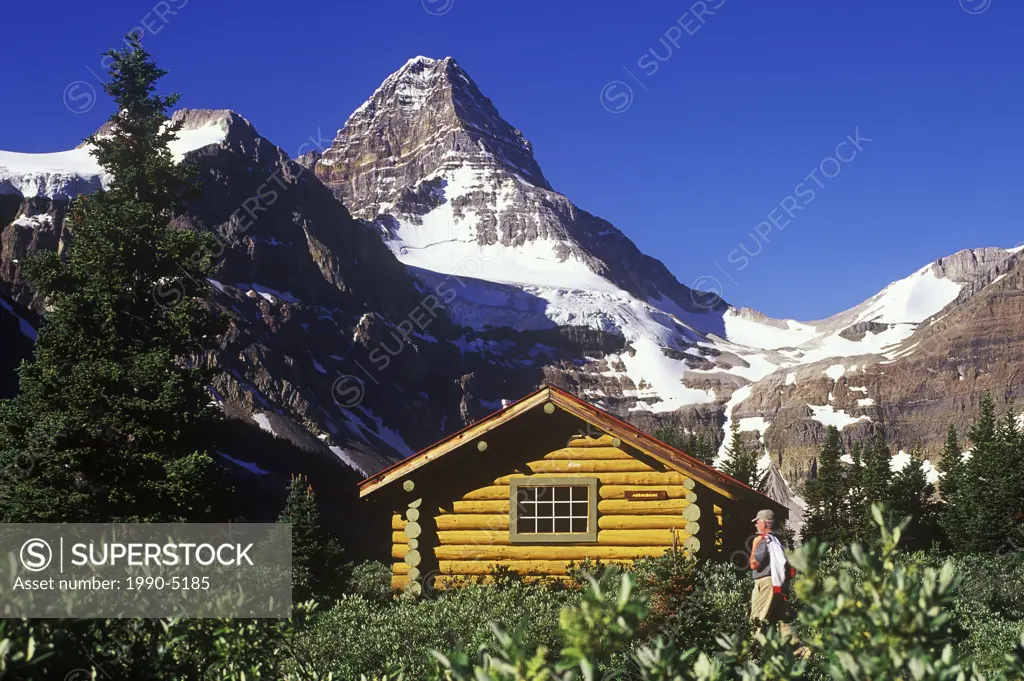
x=646 y=495
x=557 y=481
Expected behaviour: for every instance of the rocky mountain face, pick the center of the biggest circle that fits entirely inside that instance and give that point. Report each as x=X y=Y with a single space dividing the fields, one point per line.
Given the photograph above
x=332 y=345
x=398 y=285
x=428 y=137
x=913 y=389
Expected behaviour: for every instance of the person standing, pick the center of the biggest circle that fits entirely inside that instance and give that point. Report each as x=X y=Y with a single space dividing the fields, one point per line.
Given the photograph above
x=768 y=564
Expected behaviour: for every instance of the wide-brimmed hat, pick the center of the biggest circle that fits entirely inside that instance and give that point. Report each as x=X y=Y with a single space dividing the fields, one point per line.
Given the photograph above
x=765 y=514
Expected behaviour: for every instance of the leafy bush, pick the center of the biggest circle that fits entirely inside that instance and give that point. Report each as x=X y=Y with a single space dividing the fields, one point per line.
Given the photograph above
x=372 y=581
x=879 y=616
x=358 y=636
x=692 y=602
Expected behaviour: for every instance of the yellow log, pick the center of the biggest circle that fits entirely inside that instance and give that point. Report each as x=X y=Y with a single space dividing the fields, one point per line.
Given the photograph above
x=692 y=528
x=691 y=544
x=397 y=523
x=398 y=581
x=563 y=552
x=523 y=567
x=412 y=558
x=491 y=492
x=413 y=573
x=412 y=515
x=609 y=537
x=638 y=537
x=494 y=507
x=601 y=441
x=688 y=483
x=412 y=530
x=583 y=464
x=414 y=543
x=691 y=496
x=610 y=491
x=469 y=537
x=691 y=512
x=588 y=452
x=642 y=522
x=399 y=538
x=645 y=478
x=400 y=569
x=660 y=507
x=476 y=521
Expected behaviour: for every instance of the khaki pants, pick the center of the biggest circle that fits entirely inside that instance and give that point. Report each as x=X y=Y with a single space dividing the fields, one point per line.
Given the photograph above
x=761 y=600
x=767 y=605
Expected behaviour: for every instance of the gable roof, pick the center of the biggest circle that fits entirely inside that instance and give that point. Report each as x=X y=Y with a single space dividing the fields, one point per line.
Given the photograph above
x=678 y=460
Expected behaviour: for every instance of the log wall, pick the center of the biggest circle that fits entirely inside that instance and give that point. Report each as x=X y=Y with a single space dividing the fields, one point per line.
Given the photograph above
x=472 y=532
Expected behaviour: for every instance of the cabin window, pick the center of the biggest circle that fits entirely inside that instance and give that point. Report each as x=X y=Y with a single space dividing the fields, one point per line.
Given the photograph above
x=553 y=510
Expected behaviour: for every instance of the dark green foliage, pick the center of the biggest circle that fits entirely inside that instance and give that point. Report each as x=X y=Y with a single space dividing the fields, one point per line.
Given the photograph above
x=910 y=494
x=359 y=637
x=742 y=462
x=876 y=473
x=984 y=495
x=318 y=569
x=698 y=446
x=692 y=602
x=829 y=516
x=113 y=408
x=840 y=496
x=371 y=580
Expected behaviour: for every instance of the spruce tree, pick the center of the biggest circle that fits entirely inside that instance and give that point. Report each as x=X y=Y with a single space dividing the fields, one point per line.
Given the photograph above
x=697 y=446
x=911 y=494
x=984 y=505
x=113 y=409
x=951 y=463
x=828 y=495
x=318 y=570
x=874 y=480
x=742 y=463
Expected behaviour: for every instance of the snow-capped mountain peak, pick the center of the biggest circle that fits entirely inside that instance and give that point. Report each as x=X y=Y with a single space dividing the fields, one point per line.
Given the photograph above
x=64 y=175
x=426 y=118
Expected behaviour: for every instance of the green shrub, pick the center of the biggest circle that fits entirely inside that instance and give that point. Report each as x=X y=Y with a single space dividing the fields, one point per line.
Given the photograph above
x=692 y=602
x=358 y=636
x=372 y=581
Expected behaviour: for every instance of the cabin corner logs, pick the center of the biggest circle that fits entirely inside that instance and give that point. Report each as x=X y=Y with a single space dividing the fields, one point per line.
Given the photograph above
x=451 y=520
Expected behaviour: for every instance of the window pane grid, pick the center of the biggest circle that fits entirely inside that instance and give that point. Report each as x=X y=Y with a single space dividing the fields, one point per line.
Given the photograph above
x=563 y=509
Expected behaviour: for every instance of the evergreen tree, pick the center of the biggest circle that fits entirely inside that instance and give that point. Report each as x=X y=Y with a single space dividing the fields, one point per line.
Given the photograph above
x=697 y=446
x=742 y=463
x=318 y=570
x=827 y=495
x=984 y=502
x=951 y=463
x=910 y=494
x=873 y=484
x=859 y=507
x=701 y=448
x=113 y=409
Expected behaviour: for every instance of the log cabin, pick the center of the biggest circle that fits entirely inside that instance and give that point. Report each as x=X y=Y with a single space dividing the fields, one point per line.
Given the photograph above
x=546 y=481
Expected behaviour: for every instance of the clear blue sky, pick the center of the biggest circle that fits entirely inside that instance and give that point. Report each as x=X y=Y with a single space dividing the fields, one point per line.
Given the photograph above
x=729 y=124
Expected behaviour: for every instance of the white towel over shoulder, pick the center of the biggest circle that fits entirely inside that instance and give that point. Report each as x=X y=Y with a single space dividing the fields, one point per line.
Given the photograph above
x=777 y=560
